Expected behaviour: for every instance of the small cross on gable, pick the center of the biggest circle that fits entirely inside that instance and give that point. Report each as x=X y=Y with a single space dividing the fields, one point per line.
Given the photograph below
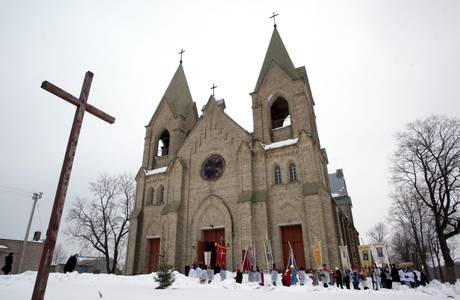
x=181 y=52
x=213 y=88
x=273 y=17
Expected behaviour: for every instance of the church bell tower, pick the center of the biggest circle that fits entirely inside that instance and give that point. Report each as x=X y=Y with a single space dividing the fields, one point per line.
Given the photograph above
x=281 y=101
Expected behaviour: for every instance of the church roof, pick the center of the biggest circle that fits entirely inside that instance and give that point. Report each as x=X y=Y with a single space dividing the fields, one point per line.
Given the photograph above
x=220 y=103
x=178 y=93
x=277 y=53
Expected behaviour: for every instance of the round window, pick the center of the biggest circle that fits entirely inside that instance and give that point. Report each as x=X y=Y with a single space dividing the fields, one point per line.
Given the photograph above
x=213 y=167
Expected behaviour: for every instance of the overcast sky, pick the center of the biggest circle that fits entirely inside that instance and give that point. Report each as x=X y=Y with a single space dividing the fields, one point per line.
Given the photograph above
x=373 y=66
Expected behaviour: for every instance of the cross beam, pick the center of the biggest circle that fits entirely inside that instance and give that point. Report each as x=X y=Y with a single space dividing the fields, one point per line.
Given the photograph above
x=181 y=52
x=273 y=17
x=56 y=213
x=213 y=88
x=47 y=86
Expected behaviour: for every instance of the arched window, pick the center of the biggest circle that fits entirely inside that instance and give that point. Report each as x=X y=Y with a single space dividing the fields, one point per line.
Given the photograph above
x=163 y=144
x=280 y=113
x=277 y=175
x=160 y=195
x=149 y=196
x=292 y=173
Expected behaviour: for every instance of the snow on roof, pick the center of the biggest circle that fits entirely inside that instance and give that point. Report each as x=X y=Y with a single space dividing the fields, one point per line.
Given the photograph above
x=280 y=144
x=2 y=247
x=337 y=183
x=88 y=258
x=155 y=171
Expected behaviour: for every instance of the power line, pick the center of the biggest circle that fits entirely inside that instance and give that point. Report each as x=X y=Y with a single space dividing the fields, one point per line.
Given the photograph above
x=15 y=188
x=20 y=194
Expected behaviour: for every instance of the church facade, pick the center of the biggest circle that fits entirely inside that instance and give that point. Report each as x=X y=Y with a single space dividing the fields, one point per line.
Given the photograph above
x=205 y=180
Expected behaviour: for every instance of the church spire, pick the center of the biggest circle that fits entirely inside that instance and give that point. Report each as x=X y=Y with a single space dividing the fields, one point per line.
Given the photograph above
x=178 y=93
x=278 y=54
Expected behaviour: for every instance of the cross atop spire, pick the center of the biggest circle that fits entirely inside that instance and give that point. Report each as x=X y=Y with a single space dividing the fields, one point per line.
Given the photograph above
x=181 y=52
x=273 y=17
x=213 y=88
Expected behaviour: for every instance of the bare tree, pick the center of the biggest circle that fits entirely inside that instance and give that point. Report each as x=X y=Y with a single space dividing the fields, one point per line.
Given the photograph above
x=59 y=255
x=378 y=233
x=102 y=222
x=402 y=246
x=409 y=212
x=428 y=160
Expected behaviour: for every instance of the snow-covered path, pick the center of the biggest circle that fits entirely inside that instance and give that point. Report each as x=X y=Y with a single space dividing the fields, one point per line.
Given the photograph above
x=115 y=287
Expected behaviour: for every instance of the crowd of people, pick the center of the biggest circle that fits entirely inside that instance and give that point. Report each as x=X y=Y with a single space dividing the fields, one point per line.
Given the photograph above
x=387 y=277
x=206 y=274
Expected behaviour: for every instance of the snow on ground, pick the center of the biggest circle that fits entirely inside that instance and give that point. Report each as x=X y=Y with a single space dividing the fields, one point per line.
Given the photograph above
x=72 y=286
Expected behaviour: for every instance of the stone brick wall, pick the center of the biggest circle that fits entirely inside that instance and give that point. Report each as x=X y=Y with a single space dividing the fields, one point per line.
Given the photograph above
x=31 y=257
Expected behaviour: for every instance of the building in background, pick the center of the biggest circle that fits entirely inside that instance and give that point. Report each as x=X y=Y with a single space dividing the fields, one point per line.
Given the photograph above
x=31 y=258
x=87 y=264
x=348 y=235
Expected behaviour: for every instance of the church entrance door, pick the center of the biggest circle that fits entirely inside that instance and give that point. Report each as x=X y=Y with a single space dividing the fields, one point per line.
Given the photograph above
x=208 y=243
x=292 y=234
x=154 y=254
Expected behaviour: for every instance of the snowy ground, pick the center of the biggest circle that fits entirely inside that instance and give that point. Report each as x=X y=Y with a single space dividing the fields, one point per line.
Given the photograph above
x=141 y=287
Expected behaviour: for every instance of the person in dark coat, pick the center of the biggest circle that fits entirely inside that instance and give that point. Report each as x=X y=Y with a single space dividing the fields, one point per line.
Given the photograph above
x=239 y=276
x=187 y=270
x=71 y=263
x=383 y=279
x=338 y=278
x=424 y=280
x=346 y=279
x=396 y=280
x=217 y=269
x=8 y=264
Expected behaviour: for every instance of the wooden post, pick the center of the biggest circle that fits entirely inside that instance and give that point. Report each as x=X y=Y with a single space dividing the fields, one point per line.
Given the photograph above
x=55 y=219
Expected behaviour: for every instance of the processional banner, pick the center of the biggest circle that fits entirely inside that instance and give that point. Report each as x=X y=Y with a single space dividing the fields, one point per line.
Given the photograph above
x=207 y=257
x=317 y=255
x=344 y=258
x=221 y=252
x=380 y=254
x=365 y=256
x=247 y=259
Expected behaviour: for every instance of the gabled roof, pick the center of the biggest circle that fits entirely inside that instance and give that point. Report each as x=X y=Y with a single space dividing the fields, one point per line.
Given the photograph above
x=278 y=54
x=338 y=185
x=177 y=97
x=219 y=103
x=178 y=93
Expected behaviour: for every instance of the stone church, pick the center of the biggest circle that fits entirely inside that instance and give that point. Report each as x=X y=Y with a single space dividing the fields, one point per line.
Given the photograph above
x=205 y=180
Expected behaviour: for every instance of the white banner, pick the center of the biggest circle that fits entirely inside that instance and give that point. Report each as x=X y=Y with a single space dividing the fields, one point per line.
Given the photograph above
x=344 y=258
x=380 y=254
x=207 y=257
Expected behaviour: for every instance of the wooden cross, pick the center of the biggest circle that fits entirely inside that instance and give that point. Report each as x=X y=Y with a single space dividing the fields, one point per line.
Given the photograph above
x=56 y=213
x=273 y=17
x=181 y=52
x=213 y=88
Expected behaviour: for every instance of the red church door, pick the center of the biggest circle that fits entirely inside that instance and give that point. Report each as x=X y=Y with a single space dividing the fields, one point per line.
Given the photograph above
x=214 y=235
x=293 y=235
x=154 y=254
x=210 y=237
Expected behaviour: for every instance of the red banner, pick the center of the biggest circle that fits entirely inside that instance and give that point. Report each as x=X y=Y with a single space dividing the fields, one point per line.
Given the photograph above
x=221 y=252
x=246 y=260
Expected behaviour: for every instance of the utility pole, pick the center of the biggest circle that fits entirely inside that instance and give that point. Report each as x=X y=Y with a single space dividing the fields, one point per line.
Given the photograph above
x=35 y=197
